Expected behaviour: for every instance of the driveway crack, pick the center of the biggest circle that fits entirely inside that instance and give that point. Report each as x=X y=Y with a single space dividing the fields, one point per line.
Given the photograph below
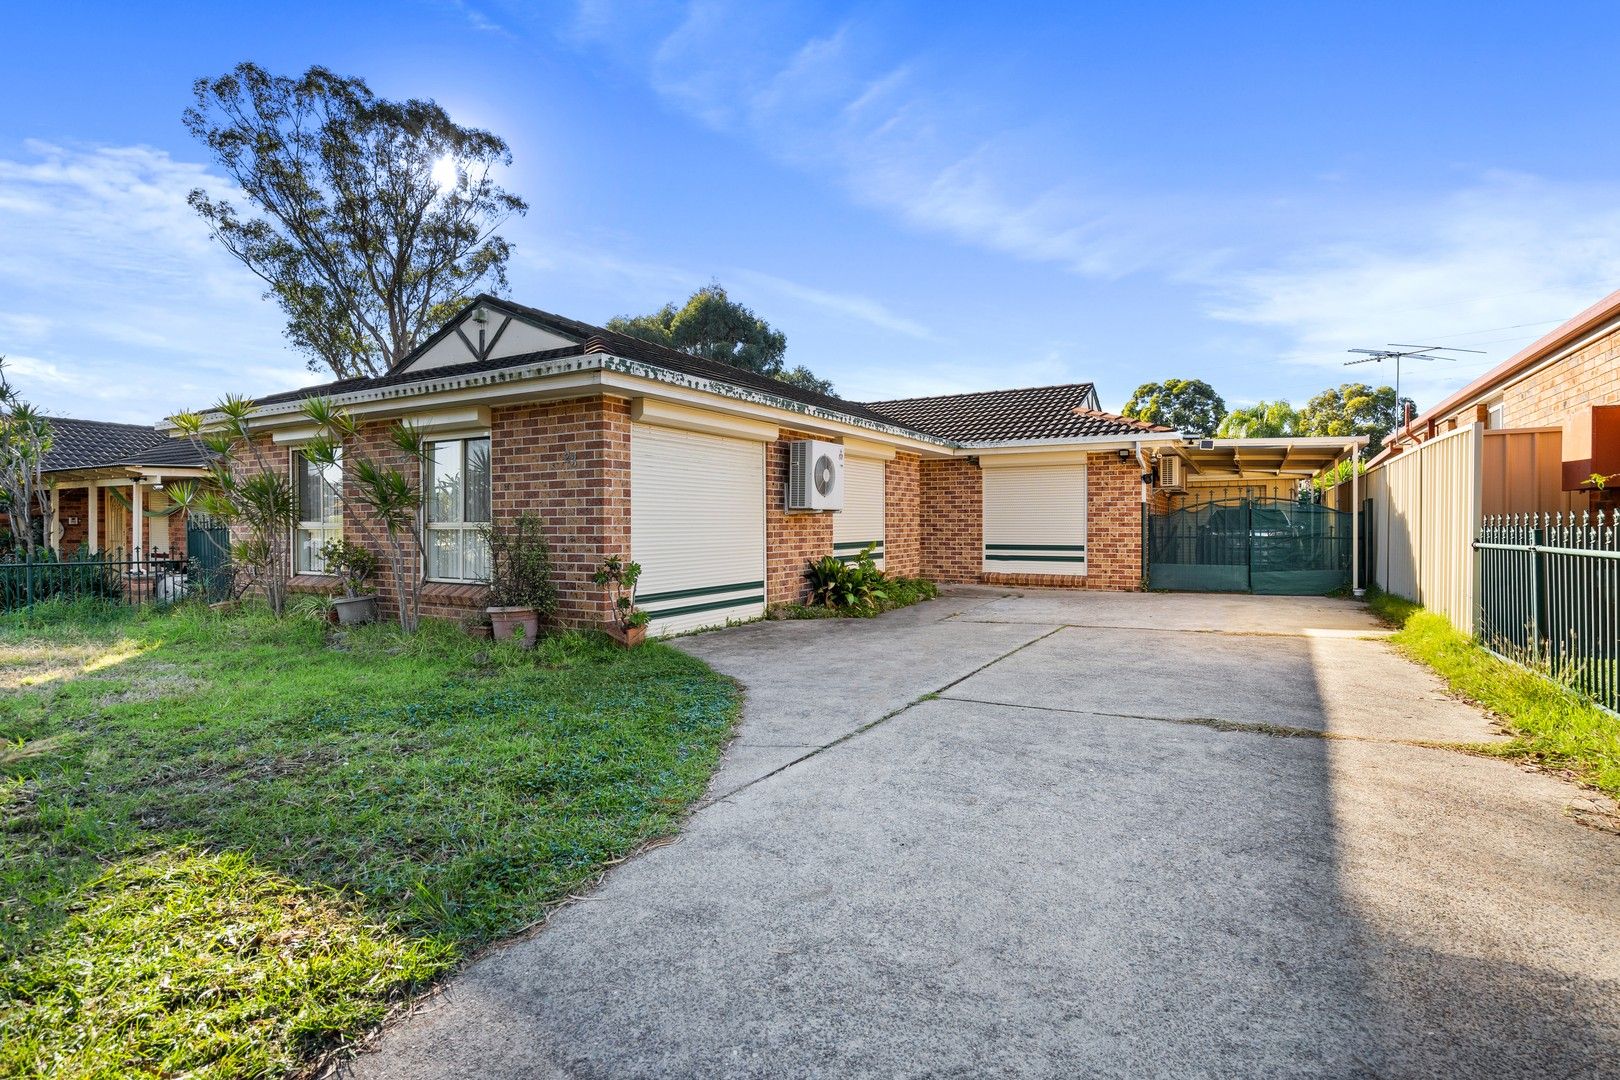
x=890 y=715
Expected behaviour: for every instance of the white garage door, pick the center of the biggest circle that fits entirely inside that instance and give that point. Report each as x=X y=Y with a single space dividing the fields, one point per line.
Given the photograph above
x=697 y=527
x=1035 y=519
x=860 y=522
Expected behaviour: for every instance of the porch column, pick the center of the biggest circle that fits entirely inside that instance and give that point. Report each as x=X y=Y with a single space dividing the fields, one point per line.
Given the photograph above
x=137 y=519
x=56 y=521
x=1355 y=522
x=93 y=497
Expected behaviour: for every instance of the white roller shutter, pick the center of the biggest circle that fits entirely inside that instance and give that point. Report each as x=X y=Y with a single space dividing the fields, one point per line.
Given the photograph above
x=860 y=522
x=1035 y=519
x=697 y=527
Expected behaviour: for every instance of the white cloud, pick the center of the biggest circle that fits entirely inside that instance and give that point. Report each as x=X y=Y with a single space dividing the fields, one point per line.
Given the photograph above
x=1491 y=267
x=125 y=306
x=842 y=306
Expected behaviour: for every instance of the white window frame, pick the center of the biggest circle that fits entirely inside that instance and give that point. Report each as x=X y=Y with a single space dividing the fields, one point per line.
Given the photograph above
x=430 y=526
x=327 y=529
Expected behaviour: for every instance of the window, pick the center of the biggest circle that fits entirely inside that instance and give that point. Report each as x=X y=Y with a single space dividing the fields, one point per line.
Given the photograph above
x=457 y=510
x=1493 y=417
x=320 y=513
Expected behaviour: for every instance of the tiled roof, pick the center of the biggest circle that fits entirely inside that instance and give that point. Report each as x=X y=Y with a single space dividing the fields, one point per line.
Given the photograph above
x=84 y=444
x=177 y=452
x=592 y=339
x=1037 y=412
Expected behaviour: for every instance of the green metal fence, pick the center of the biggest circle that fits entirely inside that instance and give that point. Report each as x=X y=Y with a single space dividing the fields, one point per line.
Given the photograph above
x=1549 y=597
x=106 y=577
x=1279 y=547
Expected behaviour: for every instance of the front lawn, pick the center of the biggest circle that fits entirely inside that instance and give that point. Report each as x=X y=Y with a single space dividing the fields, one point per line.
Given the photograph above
x=230 y=845
x=1552 y=724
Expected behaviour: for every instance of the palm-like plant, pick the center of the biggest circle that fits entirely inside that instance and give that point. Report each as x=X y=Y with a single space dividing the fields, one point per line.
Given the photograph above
x=245 y=491
x=25 y=439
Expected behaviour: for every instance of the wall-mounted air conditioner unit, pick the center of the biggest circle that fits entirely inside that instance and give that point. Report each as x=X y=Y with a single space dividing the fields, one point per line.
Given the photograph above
x=1170 y=473
x=815 y=475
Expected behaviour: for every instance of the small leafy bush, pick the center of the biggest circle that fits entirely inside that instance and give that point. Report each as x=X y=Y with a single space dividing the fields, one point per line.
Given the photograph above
x=619 y=578
x=349 y=563
x=520 y=566
x=855 y=585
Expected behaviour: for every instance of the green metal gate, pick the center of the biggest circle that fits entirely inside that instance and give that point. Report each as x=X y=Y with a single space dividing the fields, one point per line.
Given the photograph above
x=1273 y=546
x=208 y=556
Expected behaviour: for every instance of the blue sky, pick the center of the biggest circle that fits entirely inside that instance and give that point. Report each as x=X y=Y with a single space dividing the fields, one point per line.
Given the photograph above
x=926 y=198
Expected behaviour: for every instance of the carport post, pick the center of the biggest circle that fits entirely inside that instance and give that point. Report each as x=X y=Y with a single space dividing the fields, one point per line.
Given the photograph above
x=1355 y=523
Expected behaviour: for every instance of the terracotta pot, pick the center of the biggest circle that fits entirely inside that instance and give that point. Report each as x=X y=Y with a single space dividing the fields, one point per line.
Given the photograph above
x=628 y=637
x=518 y=624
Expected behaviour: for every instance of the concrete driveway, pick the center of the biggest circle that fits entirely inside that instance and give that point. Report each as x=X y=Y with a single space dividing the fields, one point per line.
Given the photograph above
x=1062 y=835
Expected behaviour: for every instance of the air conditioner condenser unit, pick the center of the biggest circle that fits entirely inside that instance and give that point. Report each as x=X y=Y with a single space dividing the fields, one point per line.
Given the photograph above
x=815 y=475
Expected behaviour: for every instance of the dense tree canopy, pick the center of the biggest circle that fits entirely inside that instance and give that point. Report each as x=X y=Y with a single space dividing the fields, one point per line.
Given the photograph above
x=1189 y=405
x=355 y=224
x=712 y=325
x=1353 y=409
x=1262 y=420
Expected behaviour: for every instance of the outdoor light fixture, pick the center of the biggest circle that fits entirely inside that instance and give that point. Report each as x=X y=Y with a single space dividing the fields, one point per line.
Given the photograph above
x=1124 y=455
x=480 y=316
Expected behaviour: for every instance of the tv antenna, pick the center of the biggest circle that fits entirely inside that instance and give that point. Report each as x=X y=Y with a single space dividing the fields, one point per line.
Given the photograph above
x=1398 y=353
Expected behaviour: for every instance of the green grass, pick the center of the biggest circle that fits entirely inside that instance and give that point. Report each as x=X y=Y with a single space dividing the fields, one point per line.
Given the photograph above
x=1551 y=724
x=228 y=845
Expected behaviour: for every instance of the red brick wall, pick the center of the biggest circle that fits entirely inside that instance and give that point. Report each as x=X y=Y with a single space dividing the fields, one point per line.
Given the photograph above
x=72 y=503
x=952 y=520
x=792 y=541
x=1113 y=523
x=902 y=516
x=568 y=462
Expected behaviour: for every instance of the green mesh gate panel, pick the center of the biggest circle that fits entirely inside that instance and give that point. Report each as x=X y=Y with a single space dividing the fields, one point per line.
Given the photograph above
x=1269 y=546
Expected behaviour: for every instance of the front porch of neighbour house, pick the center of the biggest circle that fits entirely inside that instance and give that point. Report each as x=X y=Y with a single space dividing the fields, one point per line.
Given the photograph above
x=1240 y=515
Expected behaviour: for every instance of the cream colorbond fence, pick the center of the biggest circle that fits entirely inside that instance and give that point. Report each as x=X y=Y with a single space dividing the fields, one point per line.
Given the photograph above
x=1426 y=514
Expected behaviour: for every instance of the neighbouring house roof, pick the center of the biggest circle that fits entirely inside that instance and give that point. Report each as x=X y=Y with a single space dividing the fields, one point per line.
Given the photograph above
x=1605 y=310
x=1067 y=411
x=94 y=444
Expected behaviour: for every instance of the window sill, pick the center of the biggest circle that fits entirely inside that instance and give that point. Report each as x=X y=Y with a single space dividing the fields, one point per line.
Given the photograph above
x=474 y=591
x=317 y=583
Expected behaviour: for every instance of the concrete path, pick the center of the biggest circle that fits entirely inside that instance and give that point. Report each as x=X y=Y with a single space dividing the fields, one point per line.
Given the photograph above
x=1076 y=835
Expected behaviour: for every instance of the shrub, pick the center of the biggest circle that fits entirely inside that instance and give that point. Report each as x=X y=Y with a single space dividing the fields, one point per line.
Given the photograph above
x=350 y=563
x=857 y=585
x=619 y=579
x=520 y=566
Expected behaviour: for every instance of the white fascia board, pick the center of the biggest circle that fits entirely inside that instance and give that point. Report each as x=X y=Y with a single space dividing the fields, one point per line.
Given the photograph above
x=634 y=379
x=1090 y=443
x=1289 y=442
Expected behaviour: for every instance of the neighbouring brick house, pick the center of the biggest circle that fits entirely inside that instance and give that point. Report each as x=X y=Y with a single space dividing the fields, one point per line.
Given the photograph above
x=1564 y=387
x=105 y=490
x=626 y=448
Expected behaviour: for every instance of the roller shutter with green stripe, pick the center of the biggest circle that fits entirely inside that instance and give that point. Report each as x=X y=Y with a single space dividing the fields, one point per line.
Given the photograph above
x=697 y=527
x=860 y=522
x=1035 y=519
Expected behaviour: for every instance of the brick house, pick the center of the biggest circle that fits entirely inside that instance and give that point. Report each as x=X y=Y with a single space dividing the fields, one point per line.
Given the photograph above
x=622 y=447
x=105 y=489
x=1564 y=388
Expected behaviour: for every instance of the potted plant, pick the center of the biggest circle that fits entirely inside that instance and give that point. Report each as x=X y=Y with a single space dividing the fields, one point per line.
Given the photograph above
x=353 y=566
x=629 y=625
x=521 y=591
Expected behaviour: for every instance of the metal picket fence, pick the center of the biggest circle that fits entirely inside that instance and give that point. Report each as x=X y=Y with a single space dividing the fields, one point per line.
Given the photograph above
x=113 y=578
x=1549 y=597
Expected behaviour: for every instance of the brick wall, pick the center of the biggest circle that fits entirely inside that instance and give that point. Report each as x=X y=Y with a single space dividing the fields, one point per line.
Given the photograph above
x=1113 y=523
x=568 y=462
x=952 y=519
x=1588 y=376
x=73 y=503
x=902 y=516
x=792 y=541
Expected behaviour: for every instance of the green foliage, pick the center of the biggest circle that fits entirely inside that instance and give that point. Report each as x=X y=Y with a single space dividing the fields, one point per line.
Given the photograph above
x=1552 y=724
x=520 y=566
x=245 y=488
x=1353 y=409
x=25 y=439
x=855 y=585
x=619 y=578
x=1338 y=474
x=712 y=325
x=229 y=847
x=357 y=241
x=81 y=576
x=1262 y=420
x=349 y=563
x=1189 y=405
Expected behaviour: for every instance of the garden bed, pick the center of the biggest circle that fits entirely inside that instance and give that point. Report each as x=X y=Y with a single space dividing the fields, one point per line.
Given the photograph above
x=232 y=843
